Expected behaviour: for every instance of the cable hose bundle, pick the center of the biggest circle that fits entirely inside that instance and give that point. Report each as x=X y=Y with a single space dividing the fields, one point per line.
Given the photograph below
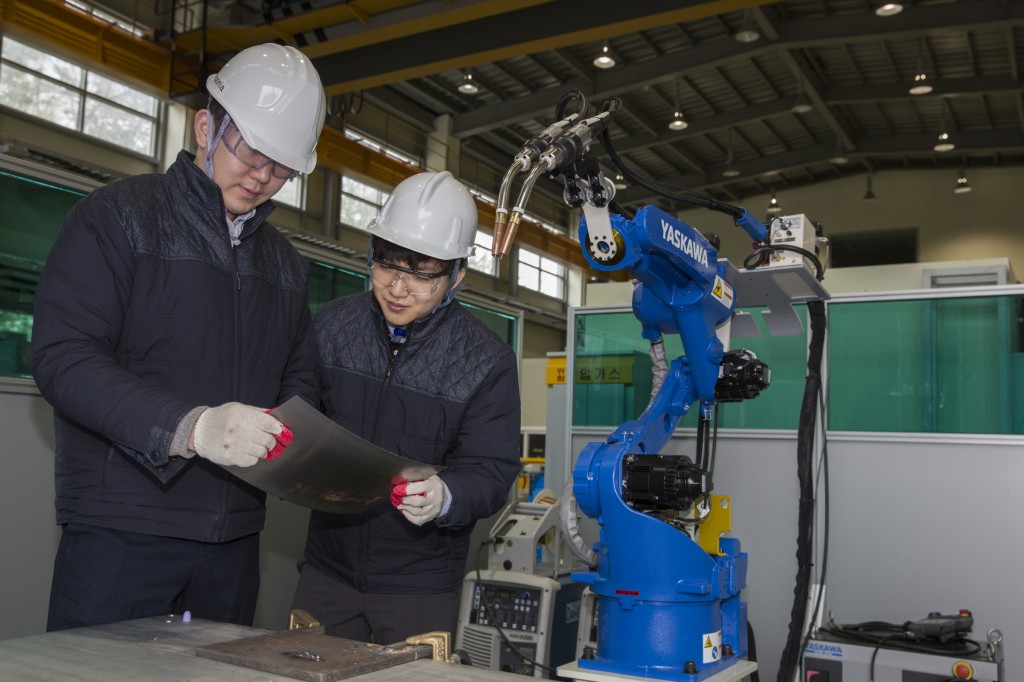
x=805 y=520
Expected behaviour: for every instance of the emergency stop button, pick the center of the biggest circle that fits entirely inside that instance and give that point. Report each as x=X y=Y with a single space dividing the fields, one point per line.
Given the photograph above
x=962 y=670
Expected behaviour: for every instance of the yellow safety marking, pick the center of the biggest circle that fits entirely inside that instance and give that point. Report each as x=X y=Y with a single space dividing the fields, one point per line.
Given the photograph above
x=717 y=522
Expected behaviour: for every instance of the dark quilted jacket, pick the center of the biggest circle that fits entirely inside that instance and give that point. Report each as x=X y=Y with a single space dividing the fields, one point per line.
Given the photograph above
x=448 y=396
x=144 y=311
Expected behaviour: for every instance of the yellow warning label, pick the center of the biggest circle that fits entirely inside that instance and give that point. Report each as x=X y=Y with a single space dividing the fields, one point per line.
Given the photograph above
x=722 y=291
x=707 y=643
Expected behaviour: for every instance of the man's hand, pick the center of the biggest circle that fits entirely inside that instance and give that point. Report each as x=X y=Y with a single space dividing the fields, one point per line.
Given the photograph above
x=419 y=501
x=237 y=435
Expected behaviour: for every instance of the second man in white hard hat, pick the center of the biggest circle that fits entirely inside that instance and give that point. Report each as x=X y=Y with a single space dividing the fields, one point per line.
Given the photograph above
x=409 y=369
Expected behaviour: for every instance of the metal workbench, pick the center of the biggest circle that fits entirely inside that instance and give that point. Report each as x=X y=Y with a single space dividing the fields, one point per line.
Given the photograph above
x=163 y=649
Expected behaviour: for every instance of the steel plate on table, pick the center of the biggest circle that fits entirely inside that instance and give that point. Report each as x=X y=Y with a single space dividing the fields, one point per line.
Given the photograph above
x=329 y=468
x=309 y=654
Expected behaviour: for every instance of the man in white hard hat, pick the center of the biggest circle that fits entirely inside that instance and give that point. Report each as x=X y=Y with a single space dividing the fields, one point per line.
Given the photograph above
x=408 y=369
x=169 y=317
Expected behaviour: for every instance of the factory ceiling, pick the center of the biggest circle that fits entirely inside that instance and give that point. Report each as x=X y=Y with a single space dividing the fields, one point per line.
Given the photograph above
x=819 y=89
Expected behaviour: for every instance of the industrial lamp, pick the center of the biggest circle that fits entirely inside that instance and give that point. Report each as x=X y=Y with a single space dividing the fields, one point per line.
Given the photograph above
x=869 y=195
x=467 y=86
x=677 y=122
x=604 y=59
x=888 y=9
x=944 y=144
x=747 y=32
x=839 y=156
x=921 y=85
x=962 y=186
x=801 y=104
x=773 y=204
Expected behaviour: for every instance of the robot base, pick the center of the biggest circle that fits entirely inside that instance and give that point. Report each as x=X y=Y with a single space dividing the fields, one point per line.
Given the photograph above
x=740 y=669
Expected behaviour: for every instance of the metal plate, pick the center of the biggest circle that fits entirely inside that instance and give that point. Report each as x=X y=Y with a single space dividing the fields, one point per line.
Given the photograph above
x=329 y=468
x=309 y=654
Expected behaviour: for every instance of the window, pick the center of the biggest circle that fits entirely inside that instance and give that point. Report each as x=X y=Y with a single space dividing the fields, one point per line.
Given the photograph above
x=67 y=95
x=292 y=193
x=104 y=15
x=482 y=260
x=359 y=202
x=541 y=274
x=387 y=150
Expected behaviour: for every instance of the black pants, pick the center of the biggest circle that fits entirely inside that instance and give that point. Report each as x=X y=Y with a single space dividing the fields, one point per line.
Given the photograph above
x=104 y=576
x=379 y=618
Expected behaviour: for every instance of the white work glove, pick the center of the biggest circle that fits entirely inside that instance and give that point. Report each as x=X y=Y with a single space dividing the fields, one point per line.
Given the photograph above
x=419 y=501
x=235 y=434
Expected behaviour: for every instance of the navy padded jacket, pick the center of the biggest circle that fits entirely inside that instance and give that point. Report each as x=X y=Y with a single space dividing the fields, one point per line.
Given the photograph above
x=144 y=312
x=449 y=396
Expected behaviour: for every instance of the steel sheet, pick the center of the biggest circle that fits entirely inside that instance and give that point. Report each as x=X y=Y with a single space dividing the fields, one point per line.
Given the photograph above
x=329 y=468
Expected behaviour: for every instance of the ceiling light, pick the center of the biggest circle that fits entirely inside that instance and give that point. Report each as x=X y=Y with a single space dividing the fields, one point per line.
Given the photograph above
x=801 y=105
x=677 y=122
x=944 y=144
x=921 y=85
x=467 y=86
x=869 y=195
x=604 y=59
x=839 y=157
x=773 y=204
x=730 y=172
x=620 y=182
x=888 y=9
x=962 y=186
x=747 y=32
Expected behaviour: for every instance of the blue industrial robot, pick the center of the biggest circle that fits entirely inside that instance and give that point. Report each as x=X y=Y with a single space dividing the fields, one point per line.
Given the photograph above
x=668 y=606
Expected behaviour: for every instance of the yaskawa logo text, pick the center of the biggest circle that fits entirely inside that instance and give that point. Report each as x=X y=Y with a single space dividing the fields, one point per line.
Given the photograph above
x=824 y=649
x=684 y=243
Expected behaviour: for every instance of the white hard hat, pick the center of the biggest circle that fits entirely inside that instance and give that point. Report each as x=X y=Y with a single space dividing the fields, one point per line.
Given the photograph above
x=274 y=95
x=429 y=213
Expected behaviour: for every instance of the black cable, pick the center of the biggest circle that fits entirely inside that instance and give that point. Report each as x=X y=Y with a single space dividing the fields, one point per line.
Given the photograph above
x=570 y=95
x=752 y=652
x=695 y=199
x=494 y=621
x=825 y=528
x=757 y=259
x=895 y=637
x=874 y=654
x=791 y=653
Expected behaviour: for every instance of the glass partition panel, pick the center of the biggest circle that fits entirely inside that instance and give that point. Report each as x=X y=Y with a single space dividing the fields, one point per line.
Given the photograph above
x=328 y=282
x=936 y=365
x=612 y=374
x=504 y=325
x=33 y=210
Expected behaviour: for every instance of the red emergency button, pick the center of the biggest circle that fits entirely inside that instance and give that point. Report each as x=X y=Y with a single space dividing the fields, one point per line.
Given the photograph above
x=962 y=670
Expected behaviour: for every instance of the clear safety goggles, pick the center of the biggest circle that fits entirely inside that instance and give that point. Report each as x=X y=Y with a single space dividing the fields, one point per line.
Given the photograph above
x=416 y=283
x=254 y=159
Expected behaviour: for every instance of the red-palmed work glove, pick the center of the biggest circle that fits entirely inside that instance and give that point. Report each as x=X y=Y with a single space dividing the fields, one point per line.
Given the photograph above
x=234 y=434
x=283 y=439
x=419 y=501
